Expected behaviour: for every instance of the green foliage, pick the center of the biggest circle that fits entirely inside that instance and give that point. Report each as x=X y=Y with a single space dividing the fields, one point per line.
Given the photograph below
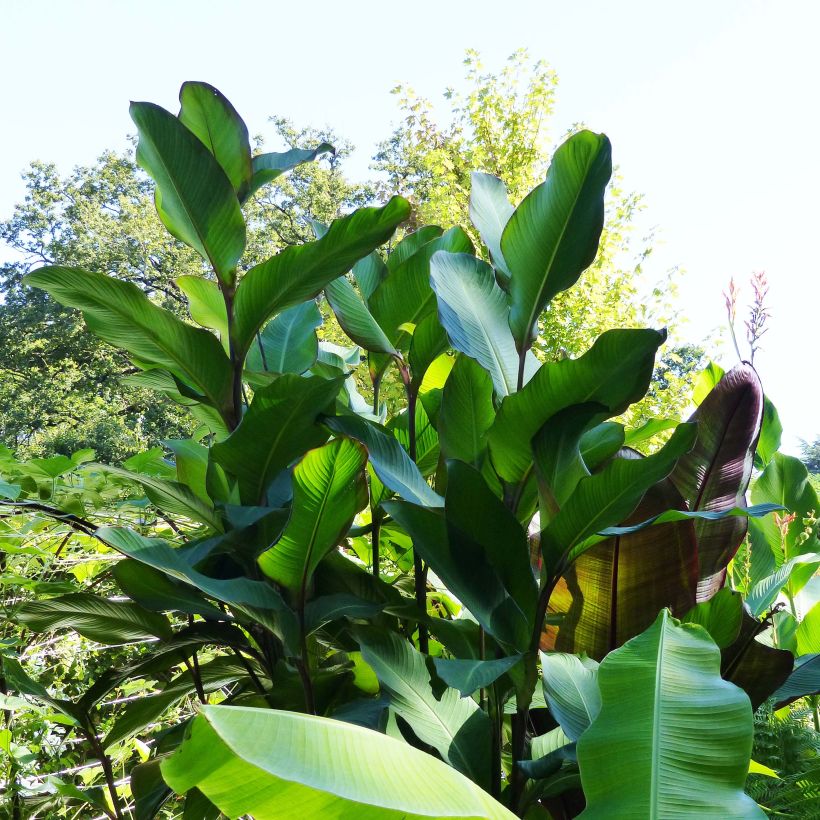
x=354 y=593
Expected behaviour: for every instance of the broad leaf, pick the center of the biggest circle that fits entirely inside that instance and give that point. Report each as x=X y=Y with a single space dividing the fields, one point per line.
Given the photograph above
x=571 y=691
x=267 y=167
x=808 y=632
x=614 y=372
x=454 y=726
x=469 y=676
x=307 y=766
x=207 y=113
x=206 y=305
x=98 y=619
x=288 y=344
x=763 y=594
x=120 y=314
x=771 y=432
x=467 y=412
x=354 y=317
x=388 y=459
x=280 y=425
x=683 y=735
x=715 y=473
x=300 y=272
x=490 y=210
x=195 y=198
x=754 y=667
x=329 y=488
x=410 y=244
x=553 y=235
x=474 y=311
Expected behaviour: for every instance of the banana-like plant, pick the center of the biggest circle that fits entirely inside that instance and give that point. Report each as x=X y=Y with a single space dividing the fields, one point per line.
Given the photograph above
x=347 y=688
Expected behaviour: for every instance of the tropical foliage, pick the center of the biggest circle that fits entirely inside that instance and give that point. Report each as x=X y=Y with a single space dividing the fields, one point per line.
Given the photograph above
x=501 y=598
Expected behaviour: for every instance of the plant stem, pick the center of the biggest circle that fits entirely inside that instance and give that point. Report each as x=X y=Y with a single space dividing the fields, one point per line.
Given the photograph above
x=374 y=540
x=303 y=662
x=496 y=718
x=195 y=674
x=419 y=570
x=108 y=770
x=519 y=737
x=237 y=362
x=522 y=361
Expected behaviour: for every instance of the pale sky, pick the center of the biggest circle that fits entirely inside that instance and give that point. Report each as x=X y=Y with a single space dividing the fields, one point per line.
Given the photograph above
x=712 y=108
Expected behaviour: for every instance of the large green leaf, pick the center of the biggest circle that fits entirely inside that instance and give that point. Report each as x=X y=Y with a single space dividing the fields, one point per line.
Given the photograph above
x=683 y=735
x=389 y=459
x=280 y=425
x=101 y=620
x=474 y=311
x=329 y=488
x=490 y=210
x=121 y=314
x=267 y=167
x=616 y=588
x=355 y=318
x=720 y=616
x=571 y=691
x=467 y=412
x=195 y=198
x=207 y=113
x=205 y=304
x=300 y=272
x=771 y=432
x=468 y=675
x=614 y=372
x=288 y=344
x=762 y=595
x=808 y=632
x=274 y=764
x=609 y=496
x=715 y=473
x=454 y=726
x=553 y=235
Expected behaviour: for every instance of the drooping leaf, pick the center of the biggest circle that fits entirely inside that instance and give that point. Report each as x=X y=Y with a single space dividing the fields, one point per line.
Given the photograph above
x=467 y=412
x=210 y=116
x=369 y=273
x=288 y=344
x=600 y=443
x=267 y=167
x=683 y=734
x=243 y=594
x=191 y=460
x=721 y=616
x=552 y=236
x=454 y=726
x=302 y=765
x=93 y=617
x=474 y=311
x=614 y=372
x=388 y=458
x=410 y=244
x=469 y=676
x=490 y=210
x=280 y=425
x=120 y=314
x=195 y=198
x=300 y=272
x=763 y=594
x=808 y=632
x=715 y=473
x=329 y=488
x=803 y=681
x=571 y=690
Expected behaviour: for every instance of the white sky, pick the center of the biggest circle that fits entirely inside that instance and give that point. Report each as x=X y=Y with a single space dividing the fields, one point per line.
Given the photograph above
x=712 y=108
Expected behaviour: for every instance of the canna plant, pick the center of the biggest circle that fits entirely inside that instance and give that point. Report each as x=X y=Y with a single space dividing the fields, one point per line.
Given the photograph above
x=485 y=603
